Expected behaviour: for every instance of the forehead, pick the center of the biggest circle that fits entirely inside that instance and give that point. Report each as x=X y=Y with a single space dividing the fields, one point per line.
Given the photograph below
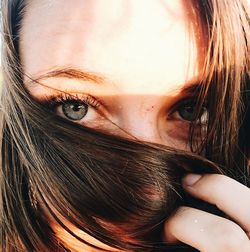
x=125 y=40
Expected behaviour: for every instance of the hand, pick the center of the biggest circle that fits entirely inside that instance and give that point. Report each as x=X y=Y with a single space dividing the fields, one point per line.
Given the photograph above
x=205 y=231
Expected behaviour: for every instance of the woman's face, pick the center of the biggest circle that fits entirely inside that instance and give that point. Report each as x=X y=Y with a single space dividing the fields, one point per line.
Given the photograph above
x=137 y=59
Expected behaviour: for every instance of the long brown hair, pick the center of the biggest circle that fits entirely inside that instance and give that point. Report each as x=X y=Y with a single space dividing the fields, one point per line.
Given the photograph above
x=117 y=190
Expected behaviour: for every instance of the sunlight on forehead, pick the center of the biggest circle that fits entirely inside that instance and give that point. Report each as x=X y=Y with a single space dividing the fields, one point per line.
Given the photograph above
x=78 y=81
x=140 y=46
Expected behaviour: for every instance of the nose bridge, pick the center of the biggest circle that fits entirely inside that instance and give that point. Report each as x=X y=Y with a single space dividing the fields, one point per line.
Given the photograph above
x=139 y=119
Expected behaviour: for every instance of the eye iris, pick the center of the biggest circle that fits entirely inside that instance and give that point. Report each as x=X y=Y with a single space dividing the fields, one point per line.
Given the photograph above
x=187 y=113
x=75 y=110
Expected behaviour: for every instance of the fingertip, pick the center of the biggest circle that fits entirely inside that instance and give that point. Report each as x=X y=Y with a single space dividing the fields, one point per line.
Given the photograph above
x=191 y=179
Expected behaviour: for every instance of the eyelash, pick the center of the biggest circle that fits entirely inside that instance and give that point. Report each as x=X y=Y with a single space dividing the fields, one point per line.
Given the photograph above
x=52 y=102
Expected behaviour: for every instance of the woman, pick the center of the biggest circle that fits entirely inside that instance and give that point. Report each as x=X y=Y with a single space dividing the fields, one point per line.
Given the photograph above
x=123 y=125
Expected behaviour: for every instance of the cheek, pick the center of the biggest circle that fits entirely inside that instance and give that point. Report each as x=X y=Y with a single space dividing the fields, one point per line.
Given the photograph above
x=177 y=135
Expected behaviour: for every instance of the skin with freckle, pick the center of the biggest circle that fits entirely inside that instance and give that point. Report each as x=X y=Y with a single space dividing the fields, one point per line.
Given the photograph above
x=145 y=50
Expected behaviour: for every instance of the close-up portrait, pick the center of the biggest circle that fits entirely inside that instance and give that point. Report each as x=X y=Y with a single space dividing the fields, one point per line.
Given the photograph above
x=125 y=126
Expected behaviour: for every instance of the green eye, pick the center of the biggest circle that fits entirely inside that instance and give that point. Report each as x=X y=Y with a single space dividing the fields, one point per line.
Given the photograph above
x=188 y=111
x=74 y=110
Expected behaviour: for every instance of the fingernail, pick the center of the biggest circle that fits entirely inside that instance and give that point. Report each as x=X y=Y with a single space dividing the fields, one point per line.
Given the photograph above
x=190 y=179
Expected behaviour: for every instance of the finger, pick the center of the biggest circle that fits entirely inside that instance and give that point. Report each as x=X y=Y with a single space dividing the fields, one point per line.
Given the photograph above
x=227 y=194
x=205 y=231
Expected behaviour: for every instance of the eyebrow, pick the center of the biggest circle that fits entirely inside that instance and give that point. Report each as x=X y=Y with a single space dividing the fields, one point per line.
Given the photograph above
x=70 y=73
x=78 y=74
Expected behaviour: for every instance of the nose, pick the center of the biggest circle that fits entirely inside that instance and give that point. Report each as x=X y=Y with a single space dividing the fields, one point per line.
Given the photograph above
x=141 y=129
x=140 y=121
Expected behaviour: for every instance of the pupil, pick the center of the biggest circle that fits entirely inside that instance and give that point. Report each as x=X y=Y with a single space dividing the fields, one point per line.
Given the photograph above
x=187 y=113
x=76 y=107
x=75 y=110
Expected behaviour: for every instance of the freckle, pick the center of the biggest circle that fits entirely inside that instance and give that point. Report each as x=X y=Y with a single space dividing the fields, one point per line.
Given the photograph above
x=149 y=109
